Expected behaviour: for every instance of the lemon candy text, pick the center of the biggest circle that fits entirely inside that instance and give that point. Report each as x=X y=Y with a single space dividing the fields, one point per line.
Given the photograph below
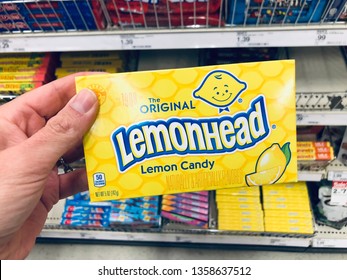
x=183 y=136
x=184 y=165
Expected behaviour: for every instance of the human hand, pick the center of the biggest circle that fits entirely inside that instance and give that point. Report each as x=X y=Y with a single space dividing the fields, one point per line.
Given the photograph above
x=36 y=130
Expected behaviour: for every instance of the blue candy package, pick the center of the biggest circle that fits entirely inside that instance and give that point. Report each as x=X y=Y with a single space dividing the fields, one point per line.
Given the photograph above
x=51 y=15
x=84 y=223
x=85 y=216
x=274 y=11
x=88 y=209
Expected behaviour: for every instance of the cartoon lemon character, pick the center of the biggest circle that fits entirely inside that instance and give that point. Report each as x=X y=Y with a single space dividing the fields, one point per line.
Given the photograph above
x=220 y=89
x=270 y=165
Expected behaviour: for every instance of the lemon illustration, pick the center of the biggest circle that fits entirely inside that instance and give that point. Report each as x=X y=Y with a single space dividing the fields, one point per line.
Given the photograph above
x=270 y=158
x=265 y=177
x=270 y=165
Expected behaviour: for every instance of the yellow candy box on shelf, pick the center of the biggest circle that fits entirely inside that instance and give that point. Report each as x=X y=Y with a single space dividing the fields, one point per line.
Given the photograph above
x=191 y=129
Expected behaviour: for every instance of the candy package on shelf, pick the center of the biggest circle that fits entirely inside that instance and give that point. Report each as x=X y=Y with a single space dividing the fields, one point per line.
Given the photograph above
x=240 y=209
x=274 y=12
x=175 y=20
x=137 y=213
x=315 y=151
x=80 y=212
x=163 y=6
x=164 y=13
x=23 y=72
x=287 y=209
x=318 y=146
x=314 y=155
x=51 y=16
x=191 y=209
x=101 y=61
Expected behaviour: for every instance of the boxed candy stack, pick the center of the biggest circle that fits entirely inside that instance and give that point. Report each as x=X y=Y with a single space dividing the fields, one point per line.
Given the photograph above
x=164 y=13
x=187 y=208
x=135 y=213
x=142 y=212
x=102 y=61
x=80 y=212
x=271 y=11
x=287 y=209
x=23 y=72
x=67 y=15
x=315 y=151
x=240 y=209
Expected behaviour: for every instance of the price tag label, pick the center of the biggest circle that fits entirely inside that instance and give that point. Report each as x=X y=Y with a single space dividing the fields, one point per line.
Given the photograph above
x=18 y=44
x=306 y=118
x=243 y=38
x=253 y=39
x=129 y=42
x=321 y=37
x=5 y=44
x=334 y=37
x=324 y=243
x=337 y=176
x=339 y=193
x=126 y=42
x=300 y=117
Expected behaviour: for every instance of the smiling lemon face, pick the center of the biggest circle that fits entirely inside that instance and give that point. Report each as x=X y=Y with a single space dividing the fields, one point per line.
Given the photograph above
x=219 y=89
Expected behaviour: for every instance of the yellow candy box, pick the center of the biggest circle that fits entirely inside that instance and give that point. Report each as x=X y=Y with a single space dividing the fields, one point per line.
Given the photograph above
x=192 y=129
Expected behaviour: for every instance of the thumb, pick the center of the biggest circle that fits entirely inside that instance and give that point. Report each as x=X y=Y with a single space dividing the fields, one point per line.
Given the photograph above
x=64 y=131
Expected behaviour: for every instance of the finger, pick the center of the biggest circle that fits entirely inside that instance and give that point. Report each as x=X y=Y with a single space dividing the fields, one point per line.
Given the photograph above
x=72 y=183
x=62 y=132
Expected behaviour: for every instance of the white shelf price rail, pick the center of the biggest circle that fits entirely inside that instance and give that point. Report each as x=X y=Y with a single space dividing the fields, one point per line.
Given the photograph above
x=321 y=108
x=174 y=39
x=328 y=237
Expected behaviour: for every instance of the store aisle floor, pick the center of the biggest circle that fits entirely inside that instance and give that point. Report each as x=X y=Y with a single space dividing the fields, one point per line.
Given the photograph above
x=64 y=251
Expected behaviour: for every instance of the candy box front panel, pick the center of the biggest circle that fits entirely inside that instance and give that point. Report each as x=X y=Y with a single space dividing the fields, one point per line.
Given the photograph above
x=193 y=129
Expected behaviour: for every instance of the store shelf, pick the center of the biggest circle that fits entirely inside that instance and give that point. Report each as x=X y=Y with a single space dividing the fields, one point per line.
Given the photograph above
x=311 y=176
x=153 y=25
x=321 y=117
x=321 y=76
x=327 y=237
x=334 y=171
x=321 y=108
x=281 y=36
x=202 y=238
x=324 y=237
